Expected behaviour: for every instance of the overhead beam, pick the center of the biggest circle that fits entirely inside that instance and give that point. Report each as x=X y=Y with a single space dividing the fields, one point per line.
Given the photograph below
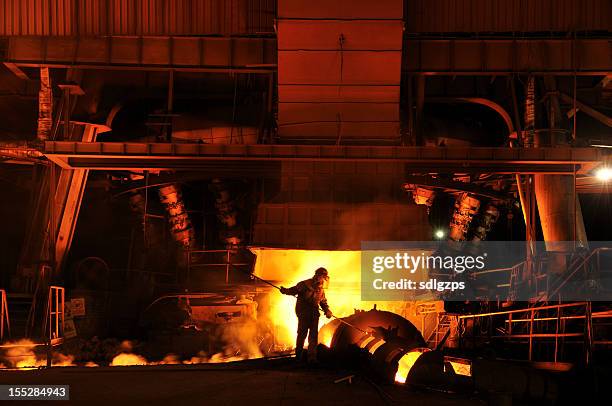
x=16 y=71
x=507 y=56
x=213 y=157
x=214 y=54
x=258 y=54
x=602 y=118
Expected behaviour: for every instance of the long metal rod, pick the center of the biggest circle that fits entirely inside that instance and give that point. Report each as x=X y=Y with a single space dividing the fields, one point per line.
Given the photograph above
x=278 y=287
x=350 y=325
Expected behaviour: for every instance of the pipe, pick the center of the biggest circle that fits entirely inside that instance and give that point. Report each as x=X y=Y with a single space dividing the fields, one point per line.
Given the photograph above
x=227 y=213
x=180 y=224
x=484 y=222
x=45 y=106
x=466 y=208
x=557 y=201
x=483 y=102
x=19 y=150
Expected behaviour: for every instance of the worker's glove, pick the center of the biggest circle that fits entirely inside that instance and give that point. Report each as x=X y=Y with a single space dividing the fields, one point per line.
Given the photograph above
x=283 y=290
x=328 y=314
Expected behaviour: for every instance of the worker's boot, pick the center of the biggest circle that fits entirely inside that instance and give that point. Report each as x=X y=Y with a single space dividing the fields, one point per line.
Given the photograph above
x=312 y=357
x=299 y=354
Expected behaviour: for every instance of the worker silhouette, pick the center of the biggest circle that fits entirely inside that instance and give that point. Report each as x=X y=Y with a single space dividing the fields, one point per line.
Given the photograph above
x=310 y=296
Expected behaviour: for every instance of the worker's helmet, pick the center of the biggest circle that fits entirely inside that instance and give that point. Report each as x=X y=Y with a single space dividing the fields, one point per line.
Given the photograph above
x=322 y=272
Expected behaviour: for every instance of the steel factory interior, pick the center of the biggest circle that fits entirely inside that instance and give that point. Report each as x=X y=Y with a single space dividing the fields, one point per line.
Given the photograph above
x=170 y=169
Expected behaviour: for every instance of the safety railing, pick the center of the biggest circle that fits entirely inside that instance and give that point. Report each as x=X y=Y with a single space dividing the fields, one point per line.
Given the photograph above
x=55 y=314
x=584 y=266
x=535 y=273
x=549 y=325
x=212 y=259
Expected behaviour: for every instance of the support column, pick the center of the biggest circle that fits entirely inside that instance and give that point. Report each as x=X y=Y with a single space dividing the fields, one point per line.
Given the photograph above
x=558 y=204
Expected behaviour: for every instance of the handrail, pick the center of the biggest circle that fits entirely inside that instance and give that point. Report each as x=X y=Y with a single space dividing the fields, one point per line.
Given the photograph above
x=526 y=310
x=55 y=312
x=183 y=295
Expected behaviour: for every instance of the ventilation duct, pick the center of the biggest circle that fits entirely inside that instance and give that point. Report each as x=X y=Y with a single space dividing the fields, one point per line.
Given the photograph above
x=339 y=69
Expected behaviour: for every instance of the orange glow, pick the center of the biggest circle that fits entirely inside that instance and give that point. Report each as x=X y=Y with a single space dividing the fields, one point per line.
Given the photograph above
x=20 y=354
x=406 y=363
x=461 y=368
x=326 y=338
x=287 y=267
x=125 y=359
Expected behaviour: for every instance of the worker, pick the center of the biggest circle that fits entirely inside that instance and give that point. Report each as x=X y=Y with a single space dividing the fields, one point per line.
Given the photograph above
x=310 y=296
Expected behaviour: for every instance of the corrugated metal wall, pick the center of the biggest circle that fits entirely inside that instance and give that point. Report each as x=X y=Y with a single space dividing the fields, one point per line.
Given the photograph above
x=136 y=17
x=437 y=16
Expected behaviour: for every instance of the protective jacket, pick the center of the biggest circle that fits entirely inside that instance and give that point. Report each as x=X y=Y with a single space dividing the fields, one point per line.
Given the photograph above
x=309 y=298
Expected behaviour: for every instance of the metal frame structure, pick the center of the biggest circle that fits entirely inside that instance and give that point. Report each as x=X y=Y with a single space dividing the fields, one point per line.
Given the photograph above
x=195 y=54
x=507 y=56
x=168 y=156
x=55 y=313
x=531 y=317
x=228 y=264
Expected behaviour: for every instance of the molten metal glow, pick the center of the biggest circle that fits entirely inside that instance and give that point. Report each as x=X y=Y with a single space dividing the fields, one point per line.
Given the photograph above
x=124 y=359
x=406 y=363
x=20 y=354
x=287 y=267
x=326 y=338
x=461 y=368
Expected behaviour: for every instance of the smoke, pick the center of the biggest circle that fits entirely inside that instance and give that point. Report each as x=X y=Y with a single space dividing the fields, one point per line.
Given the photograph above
x=240 y=340
x=25 y=354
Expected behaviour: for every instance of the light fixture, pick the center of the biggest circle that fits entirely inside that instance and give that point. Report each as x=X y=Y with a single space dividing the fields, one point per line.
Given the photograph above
x=439 y=234
x=604 y=173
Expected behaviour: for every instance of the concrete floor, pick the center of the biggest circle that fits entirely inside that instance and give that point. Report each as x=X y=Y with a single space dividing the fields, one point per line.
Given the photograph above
x=256 y=382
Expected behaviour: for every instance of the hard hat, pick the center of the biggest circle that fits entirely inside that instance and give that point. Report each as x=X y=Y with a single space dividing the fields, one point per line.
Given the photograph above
x=322 y=272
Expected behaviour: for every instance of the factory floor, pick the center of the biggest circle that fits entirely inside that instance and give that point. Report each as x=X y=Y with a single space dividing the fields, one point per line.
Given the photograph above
x=255 y=382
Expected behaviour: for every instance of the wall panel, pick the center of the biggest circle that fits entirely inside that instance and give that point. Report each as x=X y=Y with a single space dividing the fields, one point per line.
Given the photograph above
x=136 y=17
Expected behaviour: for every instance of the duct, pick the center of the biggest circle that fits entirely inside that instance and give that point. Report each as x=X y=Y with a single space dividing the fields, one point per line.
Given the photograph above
x=421 y=195
x=478 y=100
x=466 y=207
x=557 y=201
x=190 y=128
x=180 y=224
x=227 y=213
x=484 y=222
x=45 y=106
x=528 y=134
x=194 y=129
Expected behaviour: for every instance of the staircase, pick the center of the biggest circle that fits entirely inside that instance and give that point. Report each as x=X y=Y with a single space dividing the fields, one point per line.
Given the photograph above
x=19 y=305
x=443 y=325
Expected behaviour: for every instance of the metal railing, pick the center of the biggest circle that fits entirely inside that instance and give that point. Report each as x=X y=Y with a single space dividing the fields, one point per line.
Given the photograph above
x=226 y=265
x=541 y=280
x=583 y=266
x=55 y=313
x=536 y=324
